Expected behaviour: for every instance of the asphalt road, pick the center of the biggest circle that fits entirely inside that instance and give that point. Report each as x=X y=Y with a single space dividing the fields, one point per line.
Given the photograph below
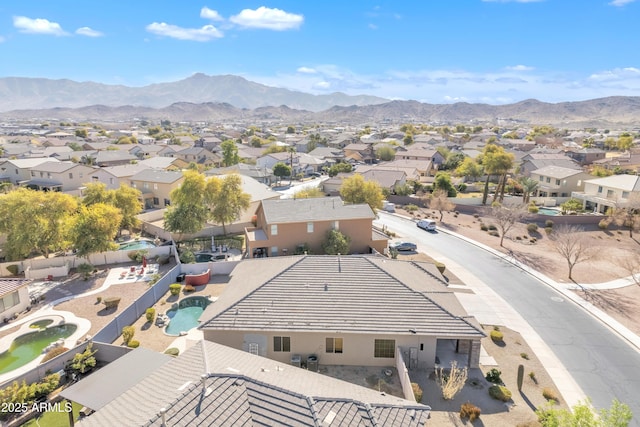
x=604 y=365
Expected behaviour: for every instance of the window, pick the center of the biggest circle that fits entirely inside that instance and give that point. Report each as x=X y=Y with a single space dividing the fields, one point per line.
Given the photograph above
x=333 y=345
x=309 y=227
x=145 y=185
x=384 y=348
x=33 y=173
x=155 y=186
x=274 y=251
x=610 y=194
x=557 y=182
x=70 y=175
x=156 y=201
x=282 y=344
x=548 y=180
x=600 y=189
x=110 y=180
x=336 y=225
x=625 y=194
x=9 y=301
x=541 y=178
x=167 y=202
x=274 y=229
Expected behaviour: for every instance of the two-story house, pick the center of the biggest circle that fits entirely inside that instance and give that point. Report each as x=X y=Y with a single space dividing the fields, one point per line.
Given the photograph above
x=558 y=183
x=198 y=155
x=601 y=194
x=424 y=154
x=68 y=177
x=354 y=310
x=156 y=186
x=19 y=170
x=285 y=225
x=359 y=153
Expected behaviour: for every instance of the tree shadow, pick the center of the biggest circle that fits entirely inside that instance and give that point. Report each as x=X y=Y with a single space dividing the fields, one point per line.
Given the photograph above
x=534 y=261
x=107 y=311
x=609 y=301
x=146 y=326
x=173 y=298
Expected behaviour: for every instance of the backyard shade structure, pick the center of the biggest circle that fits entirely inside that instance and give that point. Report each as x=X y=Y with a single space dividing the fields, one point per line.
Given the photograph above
x=104 y=385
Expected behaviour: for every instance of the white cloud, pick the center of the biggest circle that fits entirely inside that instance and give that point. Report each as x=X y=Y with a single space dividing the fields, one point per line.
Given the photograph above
x=86 y=31
x=373 y=27
x=519 y=68
x=37 y=26
x=306 y=70
x=322 y=85
x=2 y=39
x=620 y=2
x=266 y=18
x=206 y=33
x=211 y=14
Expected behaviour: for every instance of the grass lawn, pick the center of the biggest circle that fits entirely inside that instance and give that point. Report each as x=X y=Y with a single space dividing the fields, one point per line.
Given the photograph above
x=54 y=418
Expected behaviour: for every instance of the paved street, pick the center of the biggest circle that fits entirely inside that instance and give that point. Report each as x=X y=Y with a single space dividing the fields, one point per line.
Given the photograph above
x=603 y=364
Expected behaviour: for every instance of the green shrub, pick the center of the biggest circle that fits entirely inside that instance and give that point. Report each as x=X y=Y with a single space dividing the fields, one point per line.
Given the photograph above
x=548 y=223
x=492 y=227
x=127 y=334
x=411 y=208
x=56 y=351
x=150 y=314
x=13 y=269
x=417 y=392
x=496 y=336
x=469 y=410
x=533 y=240
x=98 y=300
x=476 y=216
x=483 y=227
x=111 y=302
x=533 y=209
x=524 y=356
x=493 y=376
x=173 y=351
x=548 y=230
x=85 y=269
x=500 y=392
x=603 y=224
x=137 y=256
x=494 y=233
x=532 y=227
x=133 y=344
x=550 y=394
x=187 y=257
x=188 y=288
x=518 y=238
x=532 y=375
x=174 y=288
x=441 y=267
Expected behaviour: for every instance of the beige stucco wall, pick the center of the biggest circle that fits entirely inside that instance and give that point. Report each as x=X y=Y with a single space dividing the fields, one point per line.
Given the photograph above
x=358 y=349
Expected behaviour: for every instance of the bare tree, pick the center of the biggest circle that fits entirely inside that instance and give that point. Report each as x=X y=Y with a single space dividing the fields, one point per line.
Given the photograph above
x=631 y=264
x=572 y=245
x=440 y=202
x=627 y=213
x=506 y=217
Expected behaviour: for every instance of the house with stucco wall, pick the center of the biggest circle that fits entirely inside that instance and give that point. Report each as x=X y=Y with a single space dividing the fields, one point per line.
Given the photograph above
x=355 y=310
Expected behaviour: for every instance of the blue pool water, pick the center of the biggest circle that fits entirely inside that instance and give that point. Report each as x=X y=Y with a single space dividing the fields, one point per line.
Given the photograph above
x=137 y=245
x=186 y=316
x=547 y=211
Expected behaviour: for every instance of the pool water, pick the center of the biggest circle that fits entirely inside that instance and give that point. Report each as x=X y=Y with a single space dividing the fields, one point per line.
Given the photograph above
x=137 y=245
x=547 y=211
x=186 y=316
x=27 y=347
x=41 y=324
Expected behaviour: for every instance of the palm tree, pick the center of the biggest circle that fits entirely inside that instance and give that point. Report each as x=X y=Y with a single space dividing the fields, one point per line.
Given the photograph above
x=529 y=185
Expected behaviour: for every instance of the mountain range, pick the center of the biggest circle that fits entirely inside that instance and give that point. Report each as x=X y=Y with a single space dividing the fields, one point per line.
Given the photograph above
x=227 y=97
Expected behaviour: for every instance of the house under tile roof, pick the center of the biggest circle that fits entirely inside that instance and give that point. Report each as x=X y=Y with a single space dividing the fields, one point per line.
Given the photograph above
x=220 y=386
x=8 y=284
x=262 y=294
x=313 y=209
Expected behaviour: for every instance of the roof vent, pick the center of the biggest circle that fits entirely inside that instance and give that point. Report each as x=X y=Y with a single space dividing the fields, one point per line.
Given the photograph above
x=413 y=331
x=329 y=418
x=163 y=416
x=326 y=287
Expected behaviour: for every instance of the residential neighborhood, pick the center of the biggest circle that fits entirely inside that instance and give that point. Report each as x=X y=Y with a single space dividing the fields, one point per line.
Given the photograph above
x=280 y=241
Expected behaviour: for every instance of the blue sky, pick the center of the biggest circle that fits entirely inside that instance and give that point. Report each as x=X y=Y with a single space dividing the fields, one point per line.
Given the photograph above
x=436 y=51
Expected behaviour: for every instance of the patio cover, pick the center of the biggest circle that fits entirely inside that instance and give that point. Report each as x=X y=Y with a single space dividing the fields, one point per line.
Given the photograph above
x=104 y=385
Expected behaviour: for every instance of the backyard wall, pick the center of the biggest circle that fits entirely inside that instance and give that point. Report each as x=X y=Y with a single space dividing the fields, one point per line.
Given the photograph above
x=42 y=273
x=403 y=374
x=216 y=268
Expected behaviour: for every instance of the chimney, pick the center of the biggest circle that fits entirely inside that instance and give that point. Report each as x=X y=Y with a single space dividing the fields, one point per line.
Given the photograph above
x=163 y=416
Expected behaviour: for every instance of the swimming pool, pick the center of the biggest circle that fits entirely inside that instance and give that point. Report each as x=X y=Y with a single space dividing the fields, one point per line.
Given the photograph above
x=186 y=315
x=27 y=347
x=137 y=245
x=548 y=211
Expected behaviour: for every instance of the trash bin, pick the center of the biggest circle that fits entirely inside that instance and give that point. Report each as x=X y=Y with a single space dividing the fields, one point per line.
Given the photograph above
x=296 y=360
x=180 y=278
x=312 y=363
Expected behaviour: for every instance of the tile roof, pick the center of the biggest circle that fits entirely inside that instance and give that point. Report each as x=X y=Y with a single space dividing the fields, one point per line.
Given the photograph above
x=313 y=209
x=54 y=166
x=8 y=285
x=244 y=389
x=157 y=175
x=341 y=294
x=556 y=171
x=623 y=182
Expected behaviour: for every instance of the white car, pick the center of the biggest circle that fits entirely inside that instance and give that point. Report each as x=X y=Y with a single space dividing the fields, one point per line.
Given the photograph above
x=427 y=224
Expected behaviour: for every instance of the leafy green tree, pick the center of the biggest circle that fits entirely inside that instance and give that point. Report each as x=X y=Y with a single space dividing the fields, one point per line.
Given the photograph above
x=94 y=228
x=291 y=129
x=408 y=139
x=336 y=243
x=229 y=153
x=81 y=133
x=442 y=181
x=453 y=160
x=97 y=192
x=571 y=205
x=495 y=161
x=340 y=168
x=625 y=142
x=529 y=185
x=309 y=193
x=469 y=168
x=583 y=414
x=127 y=200
x=356 y=190
x=600 y=171
x=385 y=153
x=281 y=170
x=229 y=201
x=188 y=212
x=85 y=361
